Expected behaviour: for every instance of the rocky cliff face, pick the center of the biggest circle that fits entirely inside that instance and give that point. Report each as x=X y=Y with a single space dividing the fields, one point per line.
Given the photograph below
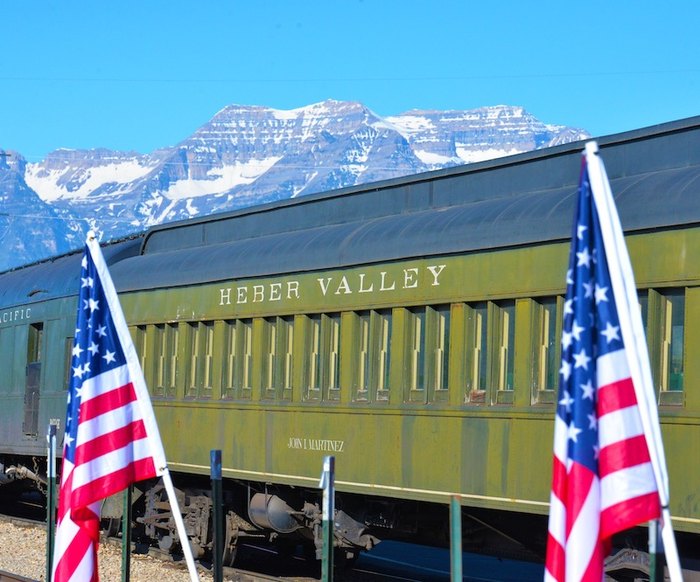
x=30 y=229
x=246 y=155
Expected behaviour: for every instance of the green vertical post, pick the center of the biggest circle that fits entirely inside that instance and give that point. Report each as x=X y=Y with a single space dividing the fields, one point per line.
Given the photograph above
x=217 y=514
x=455 y=539
x=50 y=498
x=328 y=486
x=126 y=535
x=656 y=552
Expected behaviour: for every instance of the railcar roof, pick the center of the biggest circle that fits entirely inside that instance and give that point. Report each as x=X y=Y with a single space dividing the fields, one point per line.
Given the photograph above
x=59 y=277
x=519 y=200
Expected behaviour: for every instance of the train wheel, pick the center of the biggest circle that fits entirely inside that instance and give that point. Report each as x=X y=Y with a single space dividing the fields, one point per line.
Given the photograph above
x=230 y=541
x=113 y=526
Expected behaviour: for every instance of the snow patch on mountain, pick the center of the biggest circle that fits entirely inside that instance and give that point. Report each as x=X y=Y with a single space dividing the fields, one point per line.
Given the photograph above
x=50 y=186
x=220 y=179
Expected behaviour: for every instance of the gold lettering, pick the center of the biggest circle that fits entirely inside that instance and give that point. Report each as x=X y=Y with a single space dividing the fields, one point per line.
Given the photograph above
x=410 y=278
x=242 y=295
x=343 y=287
x=225 y=296
x=324 y=283
x=293 y=289
x=362 y=285
x=275 y=291
x=383 y=286
x=436 y=270
x=258 y=293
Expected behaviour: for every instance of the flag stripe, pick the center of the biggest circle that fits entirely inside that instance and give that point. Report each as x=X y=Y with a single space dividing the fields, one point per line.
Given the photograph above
x=111 y=461
x=626 y=484
x=106 y=424
x=115 y=480
x=106 y=402
x=66 y=485
x=76 y=562
x=612 y=367
x=629 y=513
x=558 y=510
x=622 y=454
x=616 y=395
x=618 y=426
x=578 y=491
x=556 y=559
x=559 y=479
x=116 y=439
x=583 y=534
x=560 y=440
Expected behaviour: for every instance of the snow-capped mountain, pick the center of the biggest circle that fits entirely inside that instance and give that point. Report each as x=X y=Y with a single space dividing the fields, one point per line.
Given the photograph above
x=245 y=155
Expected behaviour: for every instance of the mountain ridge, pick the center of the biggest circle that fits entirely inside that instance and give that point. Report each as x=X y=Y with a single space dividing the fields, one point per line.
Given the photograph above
x=246 y=155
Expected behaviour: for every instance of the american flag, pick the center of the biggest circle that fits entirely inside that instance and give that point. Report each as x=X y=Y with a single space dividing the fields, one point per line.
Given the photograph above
x=603 y=480
x=111 y=438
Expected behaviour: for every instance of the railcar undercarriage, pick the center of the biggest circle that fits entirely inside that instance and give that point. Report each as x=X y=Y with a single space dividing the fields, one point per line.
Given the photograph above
x=16 y=472
x=291 y=517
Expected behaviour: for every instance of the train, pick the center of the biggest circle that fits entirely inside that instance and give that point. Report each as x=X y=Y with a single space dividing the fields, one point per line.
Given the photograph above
x=410 y=328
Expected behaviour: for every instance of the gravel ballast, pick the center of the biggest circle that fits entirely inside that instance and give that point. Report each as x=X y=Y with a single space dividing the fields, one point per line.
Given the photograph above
x=23 y=552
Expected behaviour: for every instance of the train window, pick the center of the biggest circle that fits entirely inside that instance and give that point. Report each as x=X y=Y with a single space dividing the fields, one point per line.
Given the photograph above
x=200 y=346
x=35 y=336
x=229 y=363
x=314 y=359
x=139 y=334
x=504 y=340
x=323 y=357
x=666 y=331
x=269 y=358
x=675 y=328
x=415 y=330
x=548 y=315
x=278 y=352
x=428 y=336
x=34 y=343
x=364 y=357
x=165 y=349
x=381 y=341
x=476 y=351
x=238 y=352
x=441 y=350
x=333 y=376
x=490 y=353
x=373 y=345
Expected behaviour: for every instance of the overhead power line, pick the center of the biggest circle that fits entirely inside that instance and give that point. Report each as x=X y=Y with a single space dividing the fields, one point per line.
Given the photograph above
x=368 y=79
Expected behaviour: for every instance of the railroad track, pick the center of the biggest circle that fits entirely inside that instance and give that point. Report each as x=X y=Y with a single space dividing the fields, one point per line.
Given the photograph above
x=8 y=577
x=254 y=563
x=257 y=564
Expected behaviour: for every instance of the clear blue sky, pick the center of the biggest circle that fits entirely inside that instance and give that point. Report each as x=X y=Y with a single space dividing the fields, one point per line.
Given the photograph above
x=142 y=75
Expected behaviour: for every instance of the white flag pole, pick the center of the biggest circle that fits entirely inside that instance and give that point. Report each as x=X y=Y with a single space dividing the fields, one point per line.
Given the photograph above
x=184 y=541
x=632 y=329
x=143 y=397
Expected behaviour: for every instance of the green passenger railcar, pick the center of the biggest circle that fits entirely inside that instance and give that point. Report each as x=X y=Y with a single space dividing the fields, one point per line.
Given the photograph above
x=409 y=328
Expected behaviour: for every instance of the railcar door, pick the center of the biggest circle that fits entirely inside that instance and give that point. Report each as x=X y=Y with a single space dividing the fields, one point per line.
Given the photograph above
x=30 y=426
